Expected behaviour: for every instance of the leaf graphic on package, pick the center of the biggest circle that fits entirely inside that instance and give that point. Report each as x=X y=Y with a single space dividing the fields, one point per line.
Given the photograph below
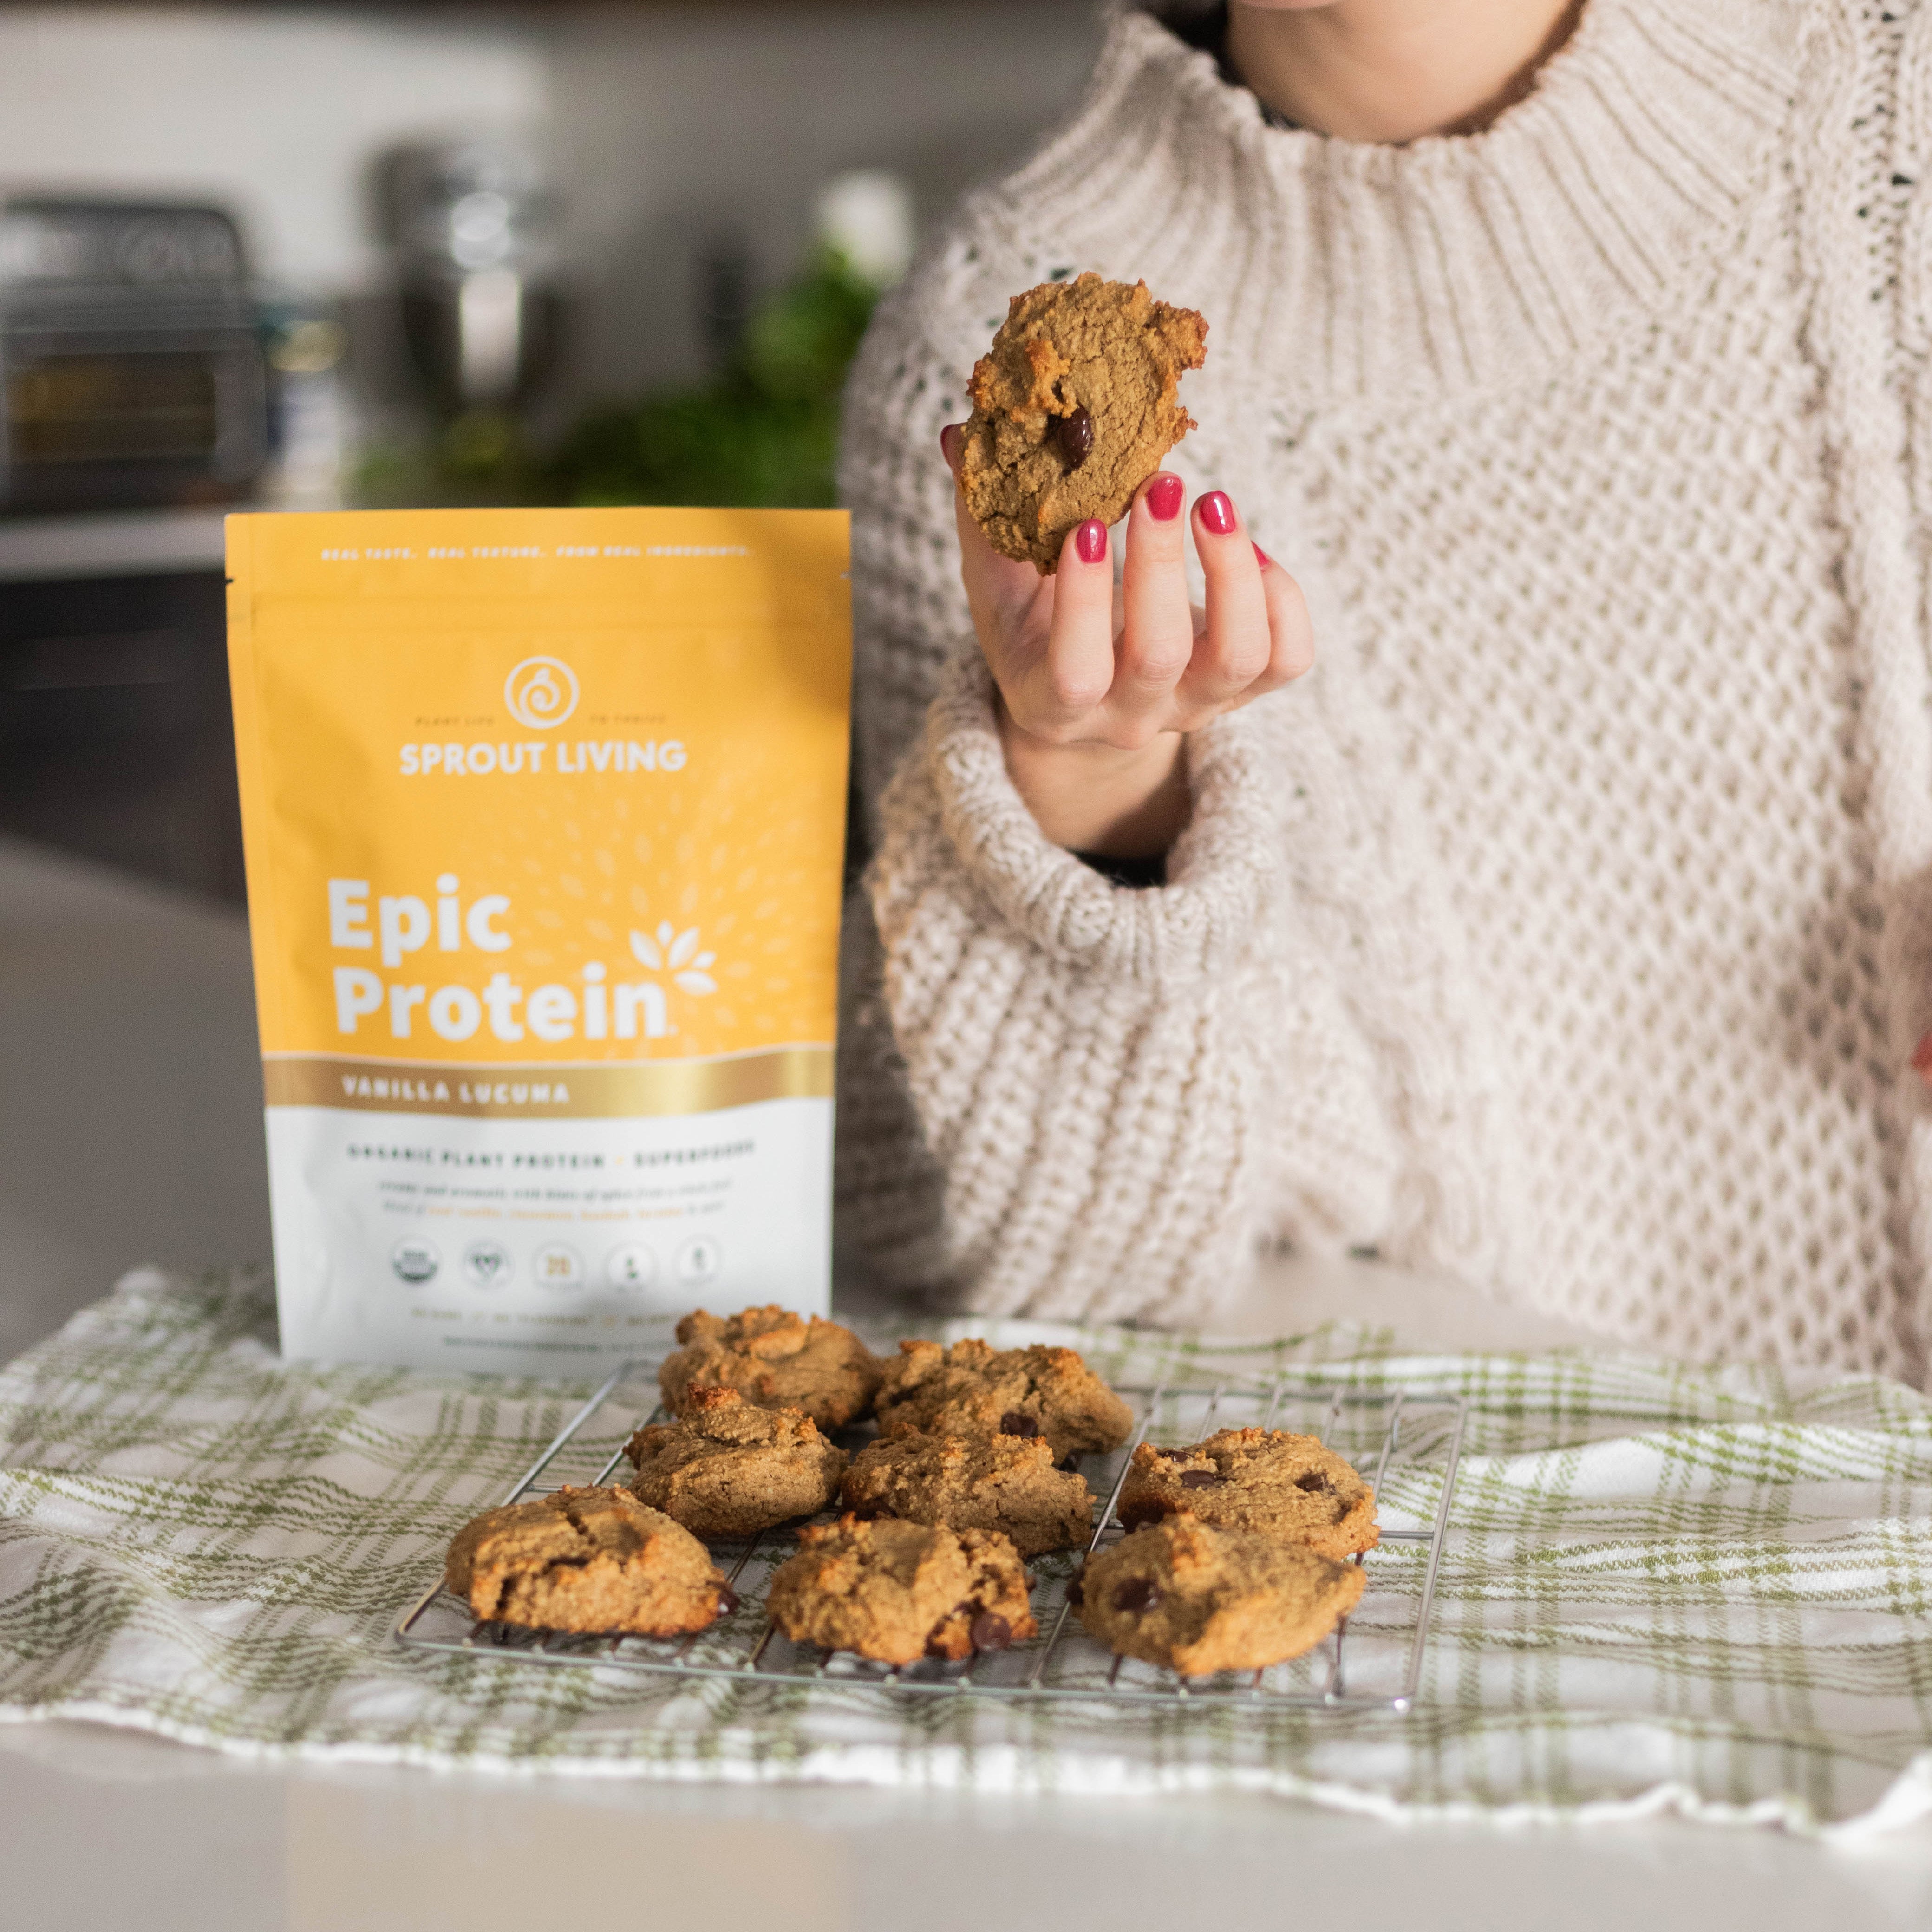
x=676 y=953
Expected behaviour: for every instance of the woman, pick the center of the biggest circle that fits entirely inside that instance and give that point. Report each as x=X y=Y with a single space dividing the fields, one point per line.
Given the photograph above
x=1566 y=926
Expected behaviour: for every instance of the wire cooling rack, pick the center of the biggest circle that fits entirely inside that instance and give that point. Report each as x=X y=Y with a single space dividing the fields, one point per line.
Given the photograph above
x=1407 y=1446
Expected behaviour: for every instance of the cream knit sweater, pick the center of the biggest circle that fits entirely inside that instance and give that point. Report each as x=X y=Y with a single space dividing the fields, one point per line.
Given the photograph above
x=1567 y=928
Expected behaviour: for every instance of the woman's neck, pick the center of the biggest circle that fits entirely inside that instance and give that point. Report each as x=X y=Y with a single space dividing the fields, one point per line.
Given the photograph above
x=1395 y=69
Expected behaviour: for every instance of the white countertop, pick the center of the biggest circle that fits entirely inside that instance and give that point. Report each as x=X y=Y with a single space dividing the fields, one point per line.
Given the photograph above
x=105 y=1830
x=130 y=1088
x=111 y=543
x=131 y=1130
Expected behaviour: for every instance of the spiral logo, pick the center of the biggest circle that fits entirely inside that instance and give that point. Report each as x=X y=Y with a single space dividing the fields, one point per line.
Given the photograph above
x=541 y=692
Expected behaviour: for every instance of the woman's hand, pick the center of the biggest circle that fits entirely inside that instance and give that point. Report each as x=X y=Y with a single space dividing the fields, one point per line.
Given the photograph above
x=1097 y=692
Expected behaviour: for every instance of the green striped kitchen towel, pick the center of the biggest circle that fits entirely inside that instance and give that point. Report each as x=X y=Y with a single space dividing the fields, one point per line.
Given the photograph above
x=1666 y=1588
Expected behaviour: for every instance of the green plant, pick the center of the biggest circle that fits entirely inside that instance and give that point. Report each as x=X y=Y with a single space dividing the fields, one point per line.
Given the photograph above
x=764 y=432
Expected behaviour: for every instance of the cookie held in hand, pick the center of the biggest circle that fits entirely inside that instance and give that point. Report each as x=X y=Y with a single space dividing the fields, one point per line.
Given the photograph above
x=897 y=1591
x=592 y=1561
x=776 y=1359
x=1270 y=1481
x=1198 y=1599
x=1074 y=407
x=726 y=1468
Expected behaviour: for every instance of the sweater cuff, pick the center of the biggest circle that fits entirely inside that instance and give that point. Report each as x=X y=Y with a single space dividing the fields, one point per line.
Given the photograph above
x=1198 y=923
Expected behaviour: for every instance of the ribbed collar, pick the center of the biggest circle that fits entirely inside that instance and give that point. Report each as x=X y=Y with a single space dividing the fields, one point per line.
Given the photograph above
x=1353 y=268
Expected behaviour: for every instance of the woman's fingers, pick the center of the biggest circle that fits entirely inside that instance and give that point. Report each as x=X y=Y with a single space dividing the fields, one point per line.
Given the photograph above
x=1052 y=643
x=1291 y=634
x=1072 y=681
x=1236 y=648
x=1157 y=640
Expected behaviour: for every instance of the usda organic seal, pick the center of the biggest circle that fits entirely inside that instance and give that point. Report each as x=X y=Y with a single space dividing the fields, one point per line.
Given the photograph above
x=414 y=1260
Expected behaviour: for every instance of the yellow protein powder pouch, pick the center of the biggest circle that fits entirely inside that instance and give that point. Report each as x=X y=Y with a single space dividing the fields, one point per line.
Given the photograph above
x=544 y=813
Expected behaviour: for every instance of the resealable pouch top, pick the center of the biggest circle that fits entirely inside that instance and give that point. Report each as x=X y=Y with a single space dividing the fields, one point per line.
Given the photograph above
x=544 y=813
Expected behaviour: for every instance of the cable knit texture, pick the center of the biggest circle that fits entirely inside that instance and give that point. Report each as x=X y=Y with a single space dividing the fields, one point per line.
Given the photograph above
x=1569 y=928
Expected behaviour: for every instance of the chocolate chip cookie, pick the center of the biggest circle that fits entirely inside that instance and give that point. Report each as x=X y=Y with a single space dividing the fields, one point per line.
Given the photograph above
x=896 y=1591
x=727 y=1468
x=1282 y=1485
x=1006 y=1483
x=1073 y=410
x=776 y=1359
x=972 y=1389
x=587 y=1560
x=1198 y=1599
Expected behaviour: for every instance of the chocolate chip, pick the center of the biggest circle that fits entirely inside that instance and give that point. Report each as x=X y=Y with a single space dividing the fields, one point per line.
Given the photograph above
x=1075 y=435
x=727 y=1602
x=1137 y=1593
x=1314 y=1482
x=990 y=1632
x=1198 y=1479
x=1076 y=1593
x=1013 y=1422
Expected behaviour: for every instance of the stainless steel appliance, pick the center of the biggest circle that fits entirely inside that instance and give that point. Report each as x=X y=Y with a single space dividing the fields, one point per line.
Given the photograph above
x=472 y=224
x=115 y=740
x=131 y=371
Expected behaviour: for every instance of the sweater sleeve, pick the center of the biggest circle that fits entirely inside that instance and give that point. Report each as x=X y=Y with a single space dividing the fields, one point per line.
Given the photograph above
x=1059 y=1096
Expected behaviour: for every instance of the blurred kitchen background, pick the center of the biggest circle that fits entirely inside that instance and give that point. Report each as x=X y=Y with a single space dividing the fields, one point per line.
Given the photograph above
x=256 y=256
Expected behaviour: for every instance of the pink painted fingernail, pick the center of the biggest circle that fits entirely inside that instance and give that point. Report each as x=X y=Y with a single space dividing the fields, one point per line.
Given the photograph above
x=1261 y=557
x=1163 y=498
x=1922 y=1059
x=1217 y=513
x=1090 y=542
x=946 y=435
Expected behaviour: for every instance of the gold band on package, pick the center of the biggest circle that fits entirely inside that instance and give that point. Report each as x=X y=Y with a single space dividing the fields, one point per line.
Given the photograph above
x=542 y=1093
